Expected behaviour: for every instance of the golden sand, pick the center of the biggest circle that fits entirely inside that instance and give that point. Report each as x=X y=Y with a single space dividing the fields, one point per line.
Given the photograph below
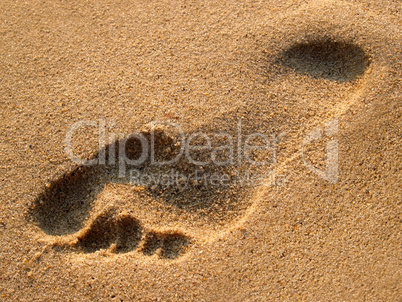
x=315 y=215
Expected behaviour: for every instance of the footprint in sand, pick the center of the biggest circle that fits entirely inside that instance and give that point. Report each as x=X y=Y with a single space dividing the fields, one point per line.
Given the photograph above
x=327 y=59
x=104 y=208
x=99 y=207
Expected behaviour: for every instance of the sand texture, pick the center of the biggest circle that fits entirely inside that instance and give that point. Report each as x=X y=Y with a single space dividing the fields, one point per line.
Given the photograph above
x=200 y=150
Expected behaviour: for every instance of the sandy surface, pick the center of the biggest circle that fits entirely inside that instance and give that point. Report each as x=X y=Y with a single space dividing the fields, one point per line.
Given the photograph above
x=312 y=213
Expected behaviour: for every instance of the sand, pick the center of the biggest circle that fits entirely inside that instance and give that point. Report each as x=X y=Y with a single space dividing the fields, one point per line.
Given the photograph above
x=294 y=192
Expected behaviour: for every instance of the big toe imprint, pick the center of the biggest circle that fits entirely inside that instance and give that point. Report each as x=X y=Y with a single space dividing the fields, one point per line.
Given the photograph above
x=123 y=231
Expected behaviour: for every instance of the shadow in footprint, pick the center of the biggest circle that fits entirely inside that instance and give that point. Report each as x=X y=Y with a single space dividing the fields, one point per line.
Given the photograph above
x=124 y=231
x=335 y=61
x=66 y=202
x=63 y=207
x=166 y=245
x=129 y=234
